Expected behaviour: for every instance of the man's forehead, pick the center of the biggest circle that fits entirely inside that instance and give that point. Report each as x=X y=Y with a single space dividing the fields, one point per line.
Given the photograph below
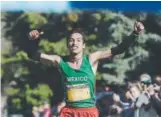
x=158 y=77
x=77 y=35
x=133 y=88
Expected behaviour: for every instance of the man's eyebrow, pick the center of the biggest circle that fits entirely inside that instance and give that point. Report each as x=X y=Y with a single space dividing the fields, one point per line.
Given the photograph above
x=78 y=38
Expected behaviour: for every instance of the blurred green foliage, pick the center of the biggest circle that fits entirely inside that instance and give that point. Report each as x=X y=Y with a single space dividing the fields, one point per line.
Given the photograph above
x=28 y=83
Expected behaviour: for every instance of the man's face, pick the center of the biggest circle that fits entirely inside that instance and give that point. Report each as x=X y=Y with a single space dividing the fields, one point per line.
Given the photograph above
x=135 y=92
x=76 y=43
x=158 y=80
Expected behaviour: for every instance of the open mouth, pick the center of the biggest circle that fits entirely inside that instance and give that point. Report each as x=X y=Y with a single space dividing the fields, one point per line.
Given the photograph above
x=74 y=47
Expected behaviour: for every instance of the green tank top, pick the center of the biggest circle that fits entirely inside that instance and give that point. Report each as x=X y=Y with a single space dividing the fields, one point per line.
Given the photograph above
x=79 y=85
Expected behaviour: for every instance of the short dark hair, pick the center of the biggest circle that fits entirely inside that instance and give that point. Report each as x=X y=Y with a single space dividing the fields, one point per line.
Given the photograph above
x=76 y=30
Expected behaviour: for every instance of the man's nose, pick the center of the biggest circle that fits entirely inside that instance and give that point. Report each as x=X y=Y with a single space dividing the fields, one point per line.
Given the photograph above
x=74 y=42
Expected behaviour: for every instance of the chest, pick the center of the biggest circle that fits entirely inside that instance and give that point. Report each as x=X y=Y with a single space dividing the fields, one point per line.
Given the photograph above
x=76 y=66
x=82 y=75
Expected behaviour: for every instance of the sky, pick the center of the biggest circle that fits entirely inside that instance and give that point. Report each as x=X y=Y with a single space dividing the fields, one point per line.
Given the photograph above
x=63 y=6
x=44 y=6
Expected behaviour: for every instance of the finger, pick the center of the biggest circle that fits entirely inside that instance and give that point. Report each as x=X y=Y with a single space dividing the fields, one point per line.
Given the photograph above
x=141 y=26
x=135 y=25
x=35 y=33
x=136 y=22
x=36 y=36
x=30 y=34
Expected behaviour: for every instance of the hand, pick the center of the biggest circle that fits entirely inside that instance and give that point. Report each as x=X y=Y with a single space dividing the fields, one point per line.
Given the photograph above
x=156 y=87
x=116 y=97
x=151 y=90
x=34 y=34
x=138 y=27
x=128 y=95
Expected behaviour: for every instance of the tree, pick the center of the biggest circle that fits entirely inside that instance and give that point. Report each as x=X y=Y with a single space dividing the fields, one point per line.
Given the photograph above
x=29 y=83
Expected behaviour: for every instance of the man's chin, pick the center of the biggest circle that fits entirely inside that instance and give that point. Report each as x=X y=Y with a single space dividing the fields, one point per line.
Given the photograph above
x=74 y=52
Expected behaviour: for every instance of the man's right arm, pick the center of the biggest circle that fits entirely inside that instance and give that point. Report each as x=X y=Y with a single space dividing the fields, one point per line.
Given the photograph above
x=50 y=59
x=37 y=56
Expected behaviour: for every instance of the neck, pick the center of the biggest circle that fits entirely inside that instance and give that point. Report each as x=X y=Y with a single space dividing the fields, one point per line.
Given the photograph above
x=75 y=58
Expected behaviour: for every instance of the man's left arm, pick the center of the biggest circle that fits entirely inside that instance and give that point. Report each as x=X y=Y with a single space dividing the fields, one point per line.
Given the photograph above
x=122 y=47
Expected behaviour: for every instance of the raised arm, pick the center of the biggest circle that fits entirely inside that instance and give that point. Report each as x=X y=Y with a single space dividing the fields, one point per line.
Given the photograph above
x=37 y=56
x=123 y=46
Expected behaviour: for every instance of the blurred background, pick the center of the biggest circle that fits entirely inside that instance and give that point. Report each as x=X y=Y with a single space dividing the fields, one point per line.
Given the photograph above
x=27 y=86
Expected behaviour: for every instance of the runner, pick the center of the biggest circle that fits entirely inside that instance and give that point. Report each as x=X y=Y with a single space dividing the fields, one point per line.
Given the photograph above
x=79 y=70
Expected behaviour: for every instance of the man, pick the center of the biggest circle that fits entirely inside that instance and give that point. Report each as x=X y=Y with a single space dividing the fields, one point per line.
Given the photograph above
x=79 y=70
x=140 y=102
x=116 y=108
x=141 y=97
x=145 y=82
x=157 y=80
x=155 y=94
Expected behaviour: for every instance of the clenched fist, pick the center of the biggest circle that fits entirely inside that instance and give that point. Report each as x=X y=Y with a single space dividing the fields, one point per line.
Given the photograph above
x=138 y=27
x=34 y=34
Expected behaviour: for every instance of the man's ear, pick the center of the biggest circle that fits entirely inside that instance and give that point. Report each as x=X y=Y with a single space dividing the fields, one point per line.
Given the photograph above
x=67 y=45
x=84 y=45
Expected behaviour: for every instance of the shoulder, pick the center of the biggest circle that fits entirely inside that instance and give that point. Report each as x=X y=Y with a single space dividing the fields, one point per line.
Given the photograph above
x=64 y=58
x=93 y=57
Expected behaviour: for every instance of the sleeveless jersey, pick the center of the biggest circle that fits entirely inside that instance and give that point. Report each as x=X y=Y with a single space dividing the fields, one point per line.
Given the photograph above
x=79 y=84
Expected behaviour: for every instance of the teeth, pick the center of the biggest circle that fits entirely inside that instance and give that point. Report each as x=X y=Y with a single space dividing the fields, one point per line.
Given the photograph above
x=74 y=47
